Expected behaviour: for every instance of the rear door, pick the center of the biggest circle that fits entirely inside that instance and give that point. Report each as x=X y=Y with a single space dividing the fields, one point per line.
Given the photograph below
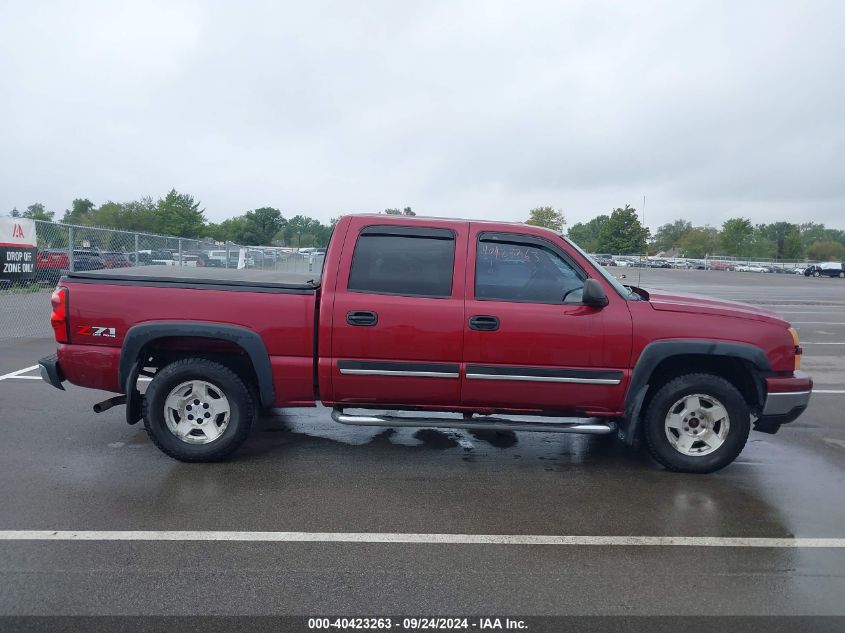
x=529 y=342
x=397 y=319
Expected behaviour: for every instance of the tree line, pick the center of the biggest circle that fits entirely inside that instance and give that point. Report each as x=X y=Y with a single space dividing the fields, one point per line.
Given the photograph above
x=620 y=232
x=180 y=215
x=617 y=232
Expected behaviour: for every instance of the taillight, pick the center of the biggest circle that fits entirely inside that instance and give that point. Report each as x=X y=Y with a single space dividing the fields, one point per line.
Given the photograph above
x=58 y=319
x=798 y=350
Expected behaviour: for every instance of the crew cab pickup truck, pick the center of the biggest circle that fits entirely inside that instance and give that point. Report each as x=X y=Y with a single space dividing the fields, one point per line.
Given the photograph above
x=510 y=325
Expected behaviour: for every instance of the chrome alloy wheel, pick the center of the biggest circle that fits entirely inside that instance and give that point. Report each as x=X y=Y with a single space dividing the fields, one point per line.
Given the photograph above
x=197 y=412
x=697 y=425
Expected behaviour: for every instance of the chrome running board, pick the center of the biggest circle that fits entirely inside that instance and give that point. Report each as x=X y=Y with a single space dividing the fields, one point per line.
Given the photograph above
x=593 y=426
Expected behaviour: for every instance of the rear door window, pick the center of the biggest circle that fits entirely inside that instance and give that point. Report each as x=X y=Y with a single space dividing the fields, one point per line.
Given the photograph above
x=403 y=261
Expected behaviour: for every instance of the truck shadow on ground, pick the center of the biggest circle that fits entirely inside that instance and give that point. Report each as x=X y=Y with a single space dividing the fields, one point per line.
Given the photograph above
x=282 y=433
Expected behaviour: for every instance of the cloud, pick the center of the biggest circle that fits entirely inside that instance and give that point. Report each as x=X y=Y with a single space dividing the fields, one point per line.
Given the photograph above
x=474 y=109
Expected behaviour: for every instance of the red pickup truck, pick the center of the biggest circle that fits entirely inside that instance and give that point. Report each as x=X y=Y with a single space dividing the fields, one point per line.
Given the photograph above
x=510 y=325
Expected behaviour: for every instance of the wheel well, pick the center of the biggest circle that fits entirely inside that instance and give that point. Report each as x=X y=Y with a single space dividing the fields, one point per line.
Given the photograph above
x=739 y=372
x=168 y=349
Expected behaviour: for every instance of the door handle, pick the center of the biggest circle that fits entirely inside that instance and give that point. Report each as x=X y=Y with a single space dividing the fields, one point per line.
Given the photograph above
x=361 y=317
x=484 y=323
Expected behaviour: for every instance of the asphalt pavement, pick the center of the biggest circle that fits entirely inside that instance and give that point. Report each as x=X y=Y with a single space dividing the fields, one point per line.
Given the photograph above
x=65 y=468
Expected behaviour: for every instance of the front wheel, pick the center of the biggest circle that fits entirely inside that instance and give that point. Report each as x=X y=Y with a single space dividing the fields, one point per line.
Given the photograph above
x=196 y=410
x=697 y=423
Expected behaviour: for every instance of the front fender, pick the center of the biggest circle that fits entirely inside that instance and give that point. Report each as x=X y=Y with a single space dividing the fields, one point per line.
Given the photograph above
x=655 y=353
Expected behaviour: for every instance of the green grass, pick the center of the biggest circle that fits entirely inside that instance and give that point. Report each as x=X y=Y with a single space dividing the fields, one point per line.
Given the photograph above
x=22 y=288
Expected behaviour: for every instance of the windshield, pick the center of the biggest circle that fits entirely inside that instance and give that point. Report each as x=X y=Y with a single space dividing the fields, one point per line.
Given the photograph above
x=613 y=281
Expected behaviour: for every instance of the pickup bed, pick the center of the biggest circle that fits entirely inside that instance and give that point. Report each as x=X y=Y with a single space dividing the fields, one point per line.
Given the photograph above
x=510 y=325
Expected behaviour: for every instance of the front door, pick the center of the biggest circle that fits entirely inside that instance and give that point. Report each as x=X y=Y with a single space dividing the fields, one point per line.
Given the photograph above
x=398 y=314
x=529 y=343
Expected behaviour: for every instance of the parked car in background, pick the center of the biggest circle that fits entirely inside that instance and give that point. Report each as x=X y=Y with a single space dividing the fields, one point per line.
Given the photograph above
x=256 y=257
x=825 y=269
x=114 y=259
x=204 y=260
x=750 y=268
x=720 y=265
x=187 y=260
x=605 y=260
x=87 y=260
x=142 y=258
x=51 y=263
x=150 y=257
x=218 y=256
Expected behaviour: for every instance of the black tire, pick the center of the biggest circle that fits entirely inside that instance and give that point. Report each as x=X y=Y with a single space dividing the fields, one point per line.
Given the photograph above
x=242 y=408
x=654 y=430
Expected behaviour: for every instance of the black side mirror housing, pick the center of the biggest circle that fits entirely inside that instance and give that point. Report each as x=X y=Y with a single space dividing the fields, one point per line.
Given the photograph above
x=593 y=294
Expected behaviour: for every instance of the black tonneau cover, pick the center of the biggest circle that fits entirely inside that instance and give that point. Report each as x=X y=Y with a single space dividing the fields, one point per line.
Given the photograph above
x=187 y=276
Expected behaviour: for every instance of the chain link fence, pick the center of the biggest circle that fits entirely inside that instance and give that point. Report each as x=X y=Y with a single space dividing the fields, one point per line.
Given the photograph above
x=25 y=304
x=709 y=262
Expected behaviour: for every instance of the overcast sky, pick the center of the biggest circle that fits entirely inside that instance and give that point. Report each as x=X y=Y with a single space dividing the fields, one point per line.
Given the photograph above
x=473 y=109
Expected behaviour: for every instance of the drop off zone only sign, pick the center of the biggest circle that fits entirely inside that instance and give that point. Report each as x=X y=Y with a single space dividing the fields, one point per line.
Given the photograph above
x=17 y=248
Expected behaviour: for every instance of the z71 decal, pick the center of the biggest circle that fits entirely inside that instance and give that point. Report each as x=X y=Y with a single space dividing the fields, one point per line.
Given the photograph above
x=96 y=330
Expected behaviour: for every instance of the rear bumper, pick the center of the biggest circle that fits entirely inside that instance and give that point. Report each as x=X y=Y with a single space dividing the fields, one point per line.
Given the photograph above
x=51 y=371
x=787 y=398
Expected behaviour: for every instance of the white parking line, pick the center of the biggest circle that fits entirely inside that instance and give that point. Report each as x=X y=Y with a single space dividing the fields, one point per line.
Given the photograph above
x=434 y=539
x=17 y=373
x=826 y=306
x=820 y=343
x=828 y=390
x=817 y=323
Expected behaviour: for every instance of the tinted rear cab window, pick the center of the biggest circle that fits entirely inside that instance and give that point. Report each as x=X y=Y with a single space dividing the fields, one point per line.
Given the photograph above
x=409 y=263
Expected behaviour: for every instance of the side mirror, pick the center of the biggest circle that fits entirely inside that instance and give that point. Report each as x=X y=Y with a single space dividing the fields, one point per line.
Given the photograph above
x=593 y=294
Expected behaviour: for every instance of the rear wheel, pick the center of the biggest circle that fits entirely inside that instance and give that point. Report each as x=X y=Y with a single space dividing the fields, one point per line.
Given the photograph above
x=697 y=423
x=196 y=410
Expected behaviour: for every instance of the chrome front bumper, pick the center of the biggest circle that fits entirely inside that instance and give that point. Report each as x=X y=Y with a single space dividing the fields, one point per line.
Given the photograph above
x=782 y=407
x=781 y=404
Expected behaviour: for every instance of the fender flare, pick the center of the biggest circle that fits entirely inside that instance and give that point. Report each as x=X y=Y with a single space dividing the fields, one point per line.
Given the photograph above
x=658 y=351
x=140 y=335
